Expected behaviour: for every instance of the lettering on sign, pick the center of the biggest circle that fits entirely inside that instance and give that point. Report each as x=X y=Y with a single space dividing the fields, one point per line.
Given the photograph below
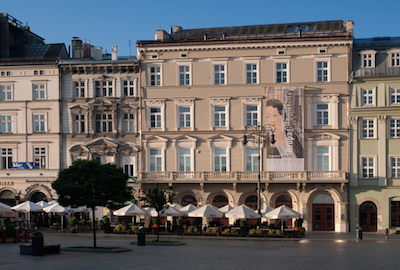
x=6 y=183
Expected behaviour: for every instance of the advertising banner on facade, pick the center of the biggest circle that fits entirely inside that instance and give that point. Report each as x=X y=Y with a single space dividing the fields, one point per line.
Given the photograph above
x=23 y=165
x=284 y=114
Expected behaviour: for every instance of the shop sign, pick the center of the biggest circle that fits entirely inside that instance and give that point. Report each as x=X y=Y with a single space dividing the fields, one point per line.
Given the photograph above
x=23 y=165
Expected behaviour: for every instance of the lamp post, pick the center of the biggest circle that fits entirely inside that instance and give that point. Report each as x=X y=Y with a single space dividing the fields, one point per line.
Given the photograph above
x=259 y=131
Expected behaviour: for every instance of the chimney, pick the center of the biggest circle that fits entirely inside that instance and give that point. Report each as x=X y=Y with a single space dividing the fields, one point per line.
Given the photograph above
x=349 y=26
x=205 y=37
x=114 y=53
x=177 y=28
x=162 y=35
x=171 y=30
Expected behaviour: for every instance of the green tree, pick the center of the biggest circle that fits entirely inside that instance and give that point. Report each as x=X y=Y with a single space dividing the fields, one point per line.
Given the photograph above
x=92 y=184
x=158 y=198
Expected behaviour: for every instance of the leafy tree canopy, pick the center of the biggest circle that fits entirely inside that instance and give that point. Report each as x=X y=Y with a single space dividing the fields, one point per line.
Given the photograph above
x=158 y=197
x=92 y=184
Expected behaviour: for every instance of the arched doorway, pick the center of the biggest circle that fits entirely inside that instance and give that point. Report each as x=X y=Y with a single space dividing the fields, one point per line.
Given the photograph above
x=7 y=197
x=188 y=199
x=219 y=201
x=283 y=200
x=323 y=213
x=37 y=197
x=368 y=214
x=251 y=201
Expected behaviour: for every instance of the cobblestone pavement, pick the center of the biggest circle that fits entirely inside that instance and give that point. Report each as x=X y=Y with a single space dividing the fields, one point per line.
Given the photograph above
x=315 y=251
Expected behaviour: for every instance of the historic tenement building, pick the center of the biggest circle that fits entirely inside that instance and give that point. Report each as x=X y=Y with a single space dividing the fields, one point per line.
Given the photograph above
x=29 y=113
x=100 y=108
x=225 y=110
x=374 y=135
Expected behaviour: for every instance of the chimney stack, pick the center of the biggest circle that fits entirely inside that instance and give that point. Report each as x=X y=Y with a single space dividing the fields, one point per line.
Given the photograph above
x=114 y=53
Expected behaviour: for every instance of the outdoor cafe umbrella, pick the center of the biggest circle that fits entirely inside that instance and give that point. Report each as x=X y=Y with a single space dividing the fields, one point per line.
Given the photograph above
x=130 y=210
x=225 y=209
x=4 y=209
x=265 y=210
x=177 y=206
x=43 y=204
x=206 y=211
x=242 y=212
x=27 y=207
x=282 y=212
x=187 y=209
x=56 y=208
x=5 y=205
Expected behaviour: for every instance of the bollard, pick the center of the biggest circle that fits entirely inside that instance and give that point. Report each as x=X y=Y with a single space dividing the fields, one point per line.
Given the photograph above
x=141 y=237
x=359 y=234
x=37 y=244
x=387 y=233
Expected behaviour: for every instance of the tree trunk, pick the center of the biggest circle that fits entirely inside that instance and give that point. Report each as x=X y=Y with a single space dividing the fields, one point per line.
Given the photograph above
x=94 y=227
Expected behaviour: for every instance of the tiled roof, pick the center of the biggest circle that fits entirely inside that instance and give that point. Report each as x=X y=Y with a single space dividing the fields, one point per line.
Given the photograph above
x=38 y=51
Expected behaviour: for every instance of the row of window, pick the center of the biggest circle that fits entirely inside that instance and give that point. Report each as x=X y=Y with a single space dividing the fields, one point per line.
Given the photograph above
x=368 y=128
x=368 y=59
x=368 y=96
x=251 y=73
x=369 y=167
x=39 y=157
x=38 y=91
x=38 y=120
x=35 y=72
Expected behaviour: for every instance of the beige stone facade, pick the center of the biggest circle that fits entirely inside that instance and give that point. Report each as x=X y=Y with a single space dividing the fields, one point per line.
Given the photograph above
x=204 y=90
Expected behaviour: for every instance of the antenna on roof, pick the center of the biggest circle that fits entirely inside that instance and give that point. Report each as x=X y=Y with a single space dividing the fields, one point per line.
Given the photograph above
x=130 y=45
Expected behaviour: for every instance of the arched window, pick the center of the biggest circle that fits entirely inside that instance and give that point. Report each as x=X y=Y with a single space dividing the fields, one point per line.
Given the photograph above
x=187 y=199
x=7 y=197
x=251 y=201
x=38 y=196
x=220 y=200
x=283 y=200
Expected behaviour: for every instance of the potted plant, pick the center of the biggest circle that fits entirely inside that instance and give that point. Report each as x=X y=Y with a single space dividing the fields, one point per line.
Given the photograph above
x=106 y=224
x=10 y=230
x=73 y=222
x=256 y=233
x=179 y=226
x=73 y=230
x=243 y=227
x=134 y=229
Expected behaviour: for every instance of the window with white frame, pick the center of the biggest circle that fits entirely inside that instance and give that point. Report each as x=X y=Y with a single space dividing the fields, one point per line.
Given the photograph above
x=155 y=76
x=252 y=73
x=6 y=92
x=104 y=88
x=322 y=114
x=368 y=128
x=395 y=59
x=252 y=154
x=184 y=75
x=38 y=72
x=184 y=117
x=6 y=158
x=6 y=123
x=322 y=71
x=128 y=88
x=104 y=123
x=219 y=74
x=281 y=72
x=79 y=89
x=395 y=96
x=79 y=123
x=220 y=159
x=219 y=113
x=185 y=160
x=155 y=110
x=155 y=117
x=323 y=158
x=368 y=167
x=105 y=159
x=394 y=128
x=128 y=166
x=395 y=167
x=39 y=91
x=368 y=97
x=39 y=123
x=252 y=115
x=156 y=160
x=128 y=124
x=39 y=157
x=368 y=59
x=219 y=116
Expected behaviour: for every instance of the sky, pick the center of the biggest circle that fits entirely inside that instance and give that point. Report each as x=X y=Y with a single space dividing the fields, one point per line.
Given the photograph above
x=107 y=23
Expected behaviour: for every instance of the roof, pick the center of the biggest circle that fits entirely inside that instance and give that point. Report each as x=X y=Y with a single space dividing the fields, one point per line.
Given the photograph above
x=39 y=51
x=378 y=43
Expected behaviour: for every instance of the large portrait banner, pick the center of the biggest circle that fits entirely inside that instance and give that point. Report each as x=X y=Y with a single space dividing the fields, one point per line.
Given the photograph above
x=284 y=115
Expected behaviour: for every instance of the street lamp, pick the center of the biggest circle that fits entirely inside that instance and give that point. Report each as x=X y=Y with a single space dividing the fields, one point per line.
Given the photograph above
x=259 y=131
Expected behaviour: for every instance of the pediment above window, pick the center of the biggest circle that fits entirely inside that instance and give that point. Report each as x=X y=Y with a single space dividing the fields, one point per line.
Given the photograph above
x=128 y=108
x=79 y=150
x=129 y=149
x=185 y=141
x=220 y=141
x=103 y=147
x=101 y=104
x=324 y=136
x=79 y=109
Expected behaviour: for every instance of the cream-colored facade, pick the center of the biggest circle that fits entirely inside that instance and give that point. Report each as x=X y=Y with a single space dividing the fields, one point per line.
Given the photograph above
x=201 y=89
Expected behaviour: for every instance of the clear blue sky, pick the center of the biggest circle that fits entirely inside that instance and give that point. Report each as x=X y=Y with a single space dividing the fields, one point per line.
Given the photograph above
x=114 y=22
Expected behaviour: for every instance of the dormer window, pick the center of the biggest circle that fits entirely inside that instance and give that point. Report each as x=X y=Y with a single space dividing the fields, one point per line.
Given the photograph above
x=394 y=57
x=368 y=59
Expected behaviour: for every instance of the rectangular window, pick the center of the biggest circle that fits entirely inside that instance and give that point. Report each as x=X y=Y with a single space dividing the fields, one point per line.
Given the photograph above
x=184 y=117
x=251 y=116
x=39 y=157
x=251 y=73
x=367 y=96
x=395 y=59
x=155 y=117
x=104 y=123
x=6 y=158
x=322 y=114
x=252 y=154
x=128 y=166
x=104 y=88
x=39 y=91
x=219 y=74
x=368 y=167
x=155 y=160
x=6 y=92
x=367 y=60
x=185 y=160
x=79 y=123
x=79 y=89
x=394 y=129
x=281 y=72
x=155 y=76
x=128 y=88
x=322 y=71
x=395 y=167
x=368 y=128
x=219 y=116
x=220 y=159
x=6 y=123
x=395 y=214
x=129 y=123
x=39 y=123
x=323 y=158
x=184 y=75
x=395 y=96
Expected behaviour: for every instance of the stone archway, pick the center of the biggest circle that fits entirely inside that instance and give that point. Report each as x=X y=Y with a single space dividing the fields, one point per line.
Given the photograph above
x=323 y=213
x=368 y=216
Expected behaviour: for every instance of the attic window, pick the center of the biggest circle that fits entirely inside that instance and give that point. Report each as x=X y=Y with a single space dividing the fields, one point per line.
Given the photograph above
x=322 y=51
x=154 y=56
x=184 y=55
x=281 y=52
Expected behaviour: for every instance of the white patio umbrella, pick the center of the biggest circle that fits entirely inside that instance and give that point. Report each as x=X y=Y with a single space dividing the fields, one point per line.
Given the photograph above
x=187 y=209
x=52 y=202
x=27 y=207
x=84 y=209
x=4 y=209
x=242 y=211
x=130 y=210
x=206 y=211
x=43 y=204
x=225 y=209
x=283 y=212
x=265 y=210
x=5 y=205
x=56 y=208
x=177 y=206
